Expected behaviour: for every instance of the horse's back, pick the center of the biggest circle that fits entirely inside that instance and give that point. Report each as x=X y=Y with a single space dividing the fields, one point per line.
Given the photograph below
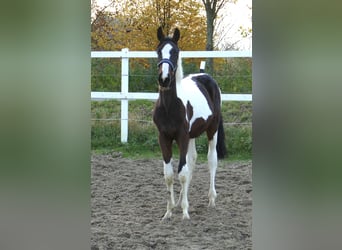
x=210 y=85
x=202 y=84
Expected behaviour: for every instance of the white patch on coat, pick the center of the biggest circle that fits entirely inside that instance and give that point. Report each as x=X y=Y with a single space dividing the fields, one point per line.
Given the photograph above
x=187 y=90
x=179 y=72
x=166 y=55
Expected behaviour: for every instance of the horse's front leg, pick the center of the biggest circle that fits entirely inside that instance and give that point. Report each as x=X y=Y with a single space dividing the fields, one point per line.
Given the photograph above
x=184 y=175
x=168 y=175
x=166 y=147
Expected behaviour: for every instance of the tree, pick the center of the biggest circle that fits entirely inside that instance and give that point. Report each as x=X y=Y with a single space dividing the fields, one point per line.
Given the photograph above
x=134 y=25
x=212 y=7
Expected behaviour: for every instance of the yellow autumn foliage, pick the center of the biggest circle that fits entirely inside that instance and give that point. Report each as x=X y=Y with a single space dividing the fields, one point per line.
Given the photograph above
x=134 y=25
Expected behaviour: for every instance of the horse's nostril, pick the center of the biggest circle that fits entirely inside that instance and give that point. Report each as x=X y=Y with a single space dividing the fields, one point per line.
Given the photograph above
x=164 y=81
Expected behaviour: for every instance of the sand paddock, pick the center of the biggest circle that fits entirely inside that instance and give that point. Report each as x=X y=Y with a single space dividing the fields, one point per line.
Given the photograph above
x=128 y=200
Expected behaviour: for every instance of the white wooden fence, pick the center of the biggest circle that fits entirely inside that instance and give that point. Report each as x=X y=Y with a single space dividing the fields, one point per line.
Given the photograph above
x=124 y=96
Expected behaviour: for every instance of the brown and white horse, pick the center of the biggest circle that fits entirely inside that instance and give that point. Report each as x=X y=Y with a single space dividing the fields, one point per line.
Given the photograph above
x=186 y=108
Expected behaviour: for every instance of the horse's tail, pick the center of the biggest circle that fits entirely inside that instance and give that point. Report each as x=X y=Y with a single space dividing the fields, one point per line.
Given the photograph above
x=221 y=146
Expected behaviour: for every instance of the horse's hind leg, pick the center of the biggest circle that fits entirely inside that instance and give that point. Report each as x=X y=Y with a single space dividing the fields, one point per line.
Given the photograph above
x=191 y=158
x=212 y=162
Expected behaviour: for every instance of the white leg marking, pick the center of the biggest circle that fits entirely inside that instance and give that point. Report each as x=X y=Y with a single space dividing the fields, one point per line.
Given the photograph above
x=168 y=175
x=191 y=156
x=184 y=178
x=180 y=197
x=212 y=162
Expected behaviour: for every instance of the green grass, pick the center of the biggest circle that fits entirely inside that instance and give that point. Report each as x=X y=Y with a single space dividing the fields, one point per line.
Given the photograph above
x=143 y=135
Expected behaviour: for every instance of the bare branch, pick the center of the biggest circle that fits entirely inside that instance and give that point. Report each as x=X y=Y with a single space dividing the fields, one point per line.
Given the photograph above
x=221 y=4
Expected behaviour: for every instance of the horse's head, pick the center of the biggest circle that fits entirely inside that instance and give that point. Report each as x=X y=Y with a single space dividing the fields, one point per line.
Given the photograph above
x=168 y=52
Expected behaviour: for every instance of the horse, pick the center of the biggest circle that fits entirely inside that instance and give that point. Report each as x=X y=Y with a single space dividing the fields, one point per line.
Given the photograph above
x=186 y=108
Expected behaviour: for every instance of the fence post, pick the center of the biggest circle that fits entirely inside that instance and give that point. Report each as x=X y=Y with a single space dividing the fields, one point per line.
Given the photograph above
x=202 y=67
x=124 y=92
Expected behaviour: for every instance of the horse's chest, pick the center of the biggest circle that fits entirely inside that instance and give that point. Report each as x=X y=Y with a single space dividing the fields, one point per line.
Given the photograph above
x=170 y=121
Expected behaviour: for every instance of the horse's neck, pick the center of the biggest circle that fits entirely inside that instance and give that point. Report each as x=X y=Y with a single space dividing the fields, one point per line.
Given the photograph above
x=179 y=72
x=169 y=96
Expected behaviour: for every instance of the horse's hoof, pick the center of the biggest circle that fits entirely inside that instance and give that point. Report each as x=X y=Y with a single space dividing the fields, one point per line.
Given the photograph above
x=165 y=220
x=212 y=198
x=167 y=217
x=186 y=216
x=212 y=204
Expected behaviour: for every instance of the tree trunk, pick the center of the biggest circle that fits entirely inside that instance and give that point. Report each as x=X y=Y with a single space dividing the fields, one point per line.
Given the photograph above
x=210 y=40
x=212 y=7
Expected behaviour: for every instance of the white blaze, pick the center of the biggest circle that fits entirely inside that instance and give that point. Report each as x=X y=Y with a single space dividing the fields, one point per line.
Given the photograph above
x=166 y=55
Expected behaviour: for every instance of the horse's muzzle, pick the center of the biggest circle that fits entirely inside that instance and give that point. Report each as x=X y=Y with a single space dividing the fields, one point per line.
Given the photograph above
x=164 y=82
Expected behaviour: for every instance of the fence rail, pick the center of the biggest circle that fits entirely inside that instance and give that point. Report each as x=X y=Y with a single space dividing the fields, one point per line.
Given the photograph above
x=124 y=96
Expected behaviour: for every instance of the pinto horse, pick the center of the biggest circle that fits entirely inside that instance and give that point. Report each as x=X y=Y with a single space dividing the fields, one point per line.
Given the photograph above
x=186 y=108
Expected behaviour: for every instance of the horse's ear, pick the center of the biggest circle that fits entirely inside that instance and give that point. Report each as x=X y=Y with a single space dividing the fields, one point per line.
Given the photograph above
x=176 y=35
x=160 y=34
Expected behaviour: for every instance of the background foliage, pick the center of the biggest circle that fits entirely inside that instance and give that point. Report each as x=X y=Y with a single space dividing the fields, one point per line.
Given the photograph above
x=233 y=75
x=134 y=25
x=143 y=135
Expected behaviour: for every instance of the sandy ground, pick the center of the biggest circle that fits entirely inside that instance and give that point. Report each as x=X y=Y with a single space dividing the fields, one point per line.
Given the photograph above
x=128 y=200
